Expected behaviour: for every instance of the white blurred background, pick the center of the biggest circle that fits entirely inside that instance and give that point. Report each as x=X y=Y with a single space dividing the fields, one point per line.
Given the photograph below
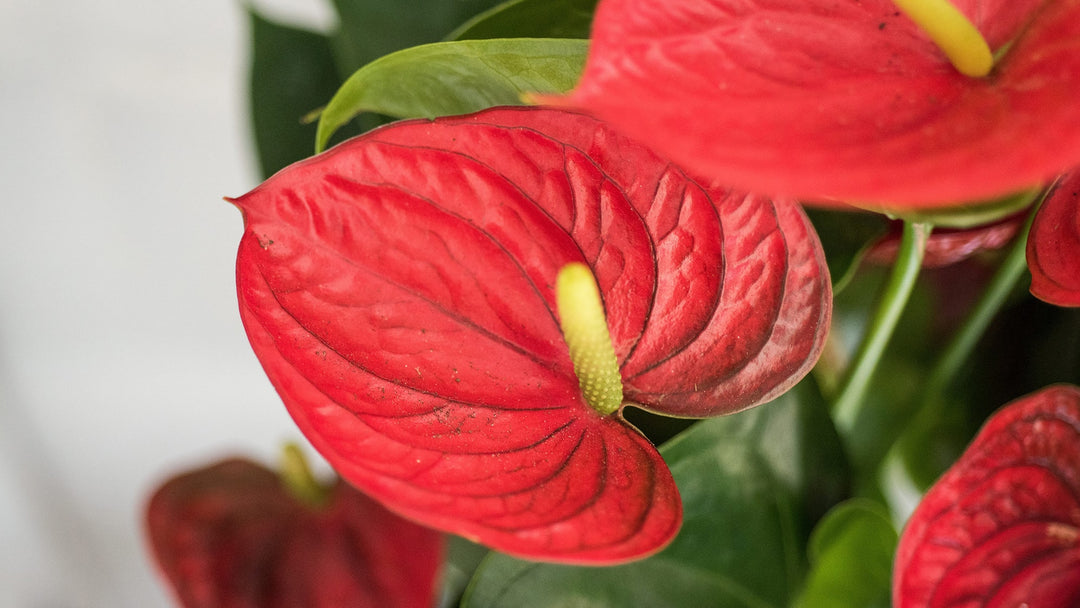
x=122 y=357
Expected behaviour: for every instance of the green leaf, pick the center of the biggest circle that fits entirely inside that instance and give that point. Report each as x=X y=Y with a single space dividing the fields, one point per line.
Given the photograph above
x=743 y=479
x=845 y=236
x=530 y=19
x=462 y=559
x=292 y=73
x=448 y=78
x=851 y=554
x=370 y=29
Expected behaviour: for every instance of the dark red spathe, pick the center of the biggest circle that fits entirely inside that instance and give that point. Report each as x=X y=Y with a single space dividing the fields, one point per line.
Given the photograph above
x=1053 y=250
x=230 y=535
x=1002 y=526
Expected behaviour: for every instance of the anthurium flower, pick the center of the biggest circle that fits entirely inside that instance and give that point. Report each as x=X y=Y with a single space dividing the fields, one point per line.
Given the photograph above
x=401 y=293
x=1002 y=526
x=850 y=101
x=1053 y=248
x=232 y=535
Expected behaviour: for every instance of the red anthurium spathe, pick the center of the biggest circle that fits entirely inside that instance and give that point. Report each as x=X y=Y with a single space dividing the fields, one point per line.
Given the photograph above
x=400 y=293
x=1053 y=248
x=1002 y=526
x=948 y=246
x=849 y=101
x=232 y=535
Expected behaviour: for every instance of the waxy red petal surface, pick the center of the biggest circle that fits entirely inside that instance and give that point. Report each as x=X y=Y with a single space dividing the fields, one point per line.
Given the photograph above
x=399 y=292
x=1002 y=526
x=1053 y=248
x=231 y=536
x=833 y=99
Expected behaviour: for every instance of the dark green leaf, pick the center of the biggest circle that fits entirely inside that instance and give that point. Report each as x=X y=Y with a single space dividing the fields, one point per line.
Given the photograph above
x=845 y=235
x=370 y=29
x=462 y=559
x=292 y=73
x=530 y=19
x=931 y=444
x=449 y=78
x=1027 y=346
x=742 y=479
x=851 y=554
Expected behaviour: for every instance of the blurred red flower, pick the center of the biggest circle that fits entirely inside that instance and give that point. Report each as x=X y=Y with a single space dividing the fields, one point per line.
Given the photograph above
x=846 y=101
x=232 y=535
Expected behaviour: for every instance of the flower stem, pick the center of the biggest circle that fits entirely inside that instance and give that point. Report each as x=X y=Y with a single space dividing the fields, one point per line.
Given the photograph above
x=897 y=291
x=296 y=475
x=584 y=327
x=953 y=33
x=963 y=343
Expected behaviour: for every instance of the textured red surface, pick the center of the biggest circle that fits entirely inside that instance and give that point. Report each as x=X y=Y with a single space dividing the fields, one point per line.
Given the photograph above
x=1053 y=249
x=833 y=99
x=1002 y=526
x=398 y=290
x=231 y=536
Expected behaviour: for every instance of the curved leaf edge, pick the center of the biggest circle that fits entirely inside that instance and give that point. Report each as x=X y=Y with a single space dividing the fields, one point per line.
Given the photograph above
x=347 y=102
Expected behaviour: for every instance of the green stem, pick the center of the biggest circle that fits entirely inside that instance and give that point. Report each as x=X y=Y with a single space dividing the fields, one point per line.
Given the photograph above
x=963 y=343
x=898 y=290
x=296 y=475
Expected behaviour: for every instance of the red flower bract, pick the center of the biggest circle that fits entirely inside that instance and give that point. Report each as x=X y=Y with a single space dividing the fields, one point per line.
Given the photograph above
x=1002 y=526
x=842 y=100
x=399 y=291
x=948 y=246
x=1053 y=249
x=231 y=535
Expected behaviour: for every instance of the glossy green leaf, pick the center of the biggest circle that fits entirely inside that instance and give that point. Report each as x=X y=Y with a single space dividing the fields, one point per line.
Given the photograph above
x=851 y=553
x=292 y=73
x=530 y=19
x=802 y=448
x=448 y=78
x=370 y=29
x=743 y=480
